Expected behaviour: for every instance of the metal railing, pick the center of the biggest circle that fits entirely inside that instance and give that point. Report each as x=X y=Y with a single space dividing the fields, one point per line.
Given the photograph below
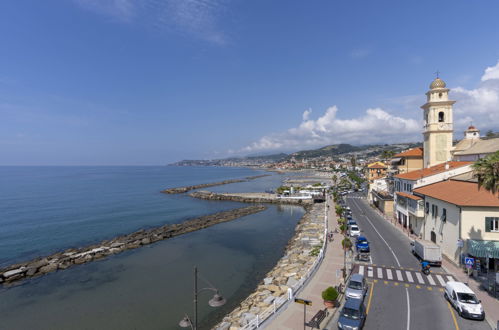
x=280 y=302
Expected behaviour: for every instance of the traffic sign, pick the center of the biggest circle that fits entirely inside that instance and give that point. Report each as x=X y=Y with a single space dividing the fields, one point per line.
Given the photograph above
x=460 y=243
x=303 y=301
x=469 y=262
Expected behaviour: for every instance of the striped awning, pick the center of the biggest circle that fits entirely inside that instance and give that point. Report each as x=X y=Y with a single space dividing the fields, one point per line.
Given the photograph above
x=483 y=249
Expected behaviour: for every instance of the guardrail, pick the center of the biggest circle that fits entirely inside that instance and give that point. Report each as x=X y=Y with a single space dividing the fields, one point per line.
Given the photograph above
x=280 y=302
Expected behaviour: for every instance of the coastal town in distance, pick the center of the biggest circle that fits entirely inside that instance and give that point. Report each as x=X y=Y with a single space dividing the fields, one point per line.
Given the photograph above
x=247 y=165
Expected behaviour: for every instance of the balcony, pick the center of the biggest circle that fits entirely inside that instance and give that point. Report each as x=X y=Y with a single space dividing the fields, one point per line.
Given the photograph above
x=416 y=207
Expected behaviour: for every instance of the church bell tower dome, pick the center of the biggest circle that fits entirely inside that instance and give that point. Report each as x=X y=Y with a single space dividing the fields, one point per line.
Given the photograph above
x=437 y=83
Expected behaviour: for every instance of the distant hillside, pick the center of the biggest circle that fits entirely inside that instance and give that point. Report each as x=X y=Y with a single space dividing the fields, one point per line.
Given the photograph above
x=327 y=151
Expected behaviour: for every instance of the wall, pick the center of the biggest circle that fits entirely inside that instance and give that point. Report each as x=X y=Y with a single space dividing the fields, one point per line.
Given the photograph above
x=447 y=232
x=473 y=223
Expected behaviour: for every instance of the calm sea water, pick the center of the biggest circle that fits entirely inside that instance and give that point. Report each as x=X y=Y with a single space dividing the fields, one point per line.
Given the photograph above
x=47 y=209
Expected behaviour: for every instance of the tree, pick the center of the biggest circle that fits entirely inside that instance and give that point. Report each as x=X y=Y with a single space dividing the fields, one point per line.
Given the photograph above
x=353 y=161
x=486 y=170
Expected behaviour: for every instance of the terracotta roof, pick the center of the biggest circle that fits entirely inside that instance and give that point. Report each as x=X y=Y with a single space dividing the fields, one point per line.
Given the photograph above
x=376 y=166
x=460 y=193
x=414 y=152
x=418 y=174
x=403 y=194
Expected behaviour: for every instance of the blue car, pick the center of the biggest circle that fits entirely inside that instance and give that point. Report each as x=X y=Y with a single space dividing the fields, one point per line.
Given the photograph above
x=353 y=315
x=362 y=244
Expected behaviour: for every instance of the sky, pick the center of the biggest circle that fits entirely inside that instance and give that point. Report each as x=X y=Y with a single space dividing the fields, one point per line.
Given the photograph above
x=150 y=82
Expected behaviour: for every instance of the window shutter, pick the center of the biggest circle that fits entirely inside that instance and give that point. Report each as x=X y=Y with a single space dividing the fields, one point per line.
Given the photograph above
x=488 y=224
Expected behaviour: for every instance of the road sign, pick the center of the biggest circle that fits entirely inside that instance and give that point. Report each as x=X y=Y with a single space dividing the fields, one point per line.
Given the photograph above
x=303 y=301
x=460 y=243
x=469 y=262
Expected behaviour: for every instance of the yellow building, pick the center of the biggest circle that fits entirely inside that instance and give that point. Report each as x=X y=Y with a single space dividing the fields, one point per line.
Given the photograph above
x=407 y=161
x=375 y=171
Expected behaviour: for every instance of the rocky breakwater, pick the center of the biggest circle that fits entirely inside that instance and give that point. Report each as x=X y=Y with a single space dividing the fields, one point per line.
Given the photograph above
x=181 y=190
x=301 y=253
x=250 y=198
x=77 y=256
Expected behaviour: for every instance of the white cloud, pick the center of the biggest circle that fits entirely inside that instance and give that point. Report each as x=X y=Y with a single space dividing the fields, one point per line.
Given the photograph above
x=197 y=18
x=492 y=72
x=479 y=105
x=375 y=126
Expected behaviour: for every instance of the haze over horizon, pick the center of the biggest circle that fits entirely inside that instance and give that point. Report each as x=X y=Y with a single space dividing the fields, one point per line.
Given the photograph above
x=123 y=82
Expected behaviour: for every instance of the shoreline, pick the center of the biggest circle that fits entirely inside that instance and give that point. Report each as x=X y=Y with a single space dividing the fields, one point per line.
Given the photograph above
x=12 y=274
x=298 y=257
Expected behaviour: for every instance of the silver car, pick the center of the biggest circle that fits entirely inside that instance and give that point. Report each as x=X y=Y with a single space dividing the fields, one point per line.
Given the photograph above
x=357 y=287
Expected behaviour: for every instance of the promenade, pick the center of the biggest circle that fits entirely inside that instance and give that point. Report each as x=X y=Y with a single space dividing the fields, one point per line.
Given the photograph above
x=328 y=274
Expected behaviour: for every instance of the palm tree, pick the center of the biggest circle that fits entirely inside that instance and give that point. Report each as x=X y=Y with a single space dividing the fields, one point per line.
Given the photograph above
x=487 y=172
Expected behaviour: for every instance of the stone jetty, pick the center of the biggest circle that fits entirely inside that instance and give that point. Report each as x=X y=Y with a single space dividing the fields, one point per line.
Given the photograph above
x=250 y=198
x=181 y=190
x=301 y=253
x=77 y=256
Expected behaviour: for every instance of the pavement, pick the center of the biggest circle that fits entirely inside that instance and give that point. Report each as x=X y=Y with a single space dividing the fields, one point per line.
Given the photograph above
x=326 y=275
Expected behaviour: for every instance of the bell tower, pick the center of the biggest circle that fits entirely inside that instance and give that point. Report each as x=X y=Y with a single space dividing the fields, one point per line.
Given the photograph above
x=438 y=124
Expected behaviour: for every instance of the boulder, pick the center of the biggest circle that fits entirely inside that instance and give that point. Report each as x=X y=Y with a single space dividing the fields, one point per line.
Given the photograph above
x=117 y=244
x=48 y=268
x=14 y=277
x=145 y=241
x=291 y=282
x=13 y=272
x=268 y=280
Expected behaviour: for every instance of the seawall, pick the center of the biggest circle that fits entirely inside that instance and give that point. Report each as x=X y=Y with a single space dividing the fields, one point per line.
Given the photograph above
x=77 y=256
x=180 y=190
x=250 y=198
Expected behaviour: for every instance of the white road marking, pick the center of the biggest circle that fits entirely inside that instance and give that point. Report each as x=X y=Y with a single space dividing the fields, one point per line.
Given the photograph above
x=376 y=230
x=408 y=310
x=380 y=272
x=430 y=279
x=450 y=278
x=370 y=271
x=399 y=275
x=441 y=280
x=361 y=269
x=409 y=276
x=420 y=278
x=389 y=274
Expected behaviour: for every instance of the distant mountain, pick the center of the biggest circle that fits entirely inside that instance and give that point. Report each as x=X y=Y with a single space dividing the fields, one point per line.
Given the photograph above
x=327 y=151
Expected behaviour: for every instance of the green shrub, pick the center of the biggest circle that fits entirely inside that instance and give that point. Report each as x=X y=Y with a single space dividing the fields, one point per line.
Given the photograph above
x=346 y=243
x=330 y=294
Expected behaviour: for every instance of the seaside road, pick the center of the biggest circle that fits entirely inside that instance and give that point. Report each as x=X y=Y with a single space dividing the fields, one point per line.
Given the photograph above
x=402 y=306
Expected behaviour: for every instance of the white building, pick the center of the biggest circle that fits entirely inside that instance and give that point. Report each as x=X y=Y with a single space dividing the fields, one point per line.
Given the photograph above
x=457 y=210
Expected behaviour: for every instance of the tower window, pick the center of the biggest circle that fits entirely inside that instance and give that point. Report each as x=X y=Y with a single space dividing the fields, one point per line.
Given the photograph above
x=441 y=117
x=439 y=95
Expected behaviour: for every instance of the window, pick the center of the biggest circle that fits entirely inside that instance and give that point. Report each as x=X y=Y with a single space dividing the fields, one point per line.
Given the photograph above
x=427 y=208
x=441 y=117
x=444 y=215
x=491 y=224
x=434 y=211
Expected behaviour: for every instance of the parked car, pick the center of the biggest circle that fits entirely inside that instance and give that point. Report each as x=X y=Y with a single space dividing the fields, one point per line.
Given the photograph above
x=354 y=231
x=351 y=221
x=362 y=244
x=463 y=299
x=352 y=315
x=356 y=287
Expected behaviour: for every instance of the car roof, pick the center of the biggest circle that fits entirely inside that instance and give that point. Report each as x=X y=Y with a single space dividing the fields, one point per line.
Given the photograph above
x=357 y=277
x=353 y=303
x=459 y=287
x=361 y=238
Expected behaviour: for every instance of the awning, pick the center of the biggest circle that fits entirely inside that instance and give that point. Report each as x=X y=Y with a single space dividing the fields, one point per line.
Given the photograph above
x=483 y=249
x=395 y=160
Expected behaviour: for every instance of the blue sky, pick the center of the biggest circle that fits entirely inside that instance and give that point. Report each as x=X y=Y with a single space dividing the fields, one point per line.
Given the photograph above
x=108 y=82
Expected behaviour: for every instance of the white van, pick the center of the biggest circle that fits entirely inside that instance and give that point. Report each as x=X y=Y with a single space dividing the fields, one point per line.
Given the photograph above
x=464 y=300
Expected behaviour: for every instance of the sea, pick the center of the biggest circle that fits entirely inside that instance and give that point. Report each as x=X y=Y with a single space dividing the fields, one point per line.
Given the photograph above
x=44 y=210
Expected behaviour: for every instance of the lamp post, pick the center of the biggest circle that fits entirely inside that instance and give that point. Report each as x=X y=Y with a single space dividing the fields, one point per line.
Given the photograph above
x=216 y=301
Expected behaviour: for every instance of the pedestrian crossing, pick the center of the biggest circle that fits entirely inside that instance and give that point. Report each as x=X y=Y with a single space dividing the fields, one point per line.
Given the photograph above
x=401 y=275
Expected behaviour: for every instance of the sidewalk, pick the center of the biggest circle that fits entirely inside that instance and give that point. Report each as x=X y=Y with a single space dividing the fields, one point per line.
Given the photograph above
x=489 y=303
x=326 y=275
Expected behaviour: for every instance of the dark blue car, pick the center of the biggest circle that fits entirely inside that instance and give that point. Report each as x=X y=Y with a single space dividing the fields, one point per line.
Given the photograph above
x=361 y=244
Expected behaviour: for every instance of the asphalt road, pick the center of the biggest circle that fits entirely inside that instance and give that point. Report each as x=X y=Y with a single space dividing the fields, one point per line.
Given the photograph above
x=401 y=306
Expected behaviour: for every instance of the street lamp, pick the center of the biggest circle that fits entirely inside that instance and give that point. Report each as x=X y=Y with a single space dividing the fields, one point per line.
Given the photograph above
x=216 y=301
